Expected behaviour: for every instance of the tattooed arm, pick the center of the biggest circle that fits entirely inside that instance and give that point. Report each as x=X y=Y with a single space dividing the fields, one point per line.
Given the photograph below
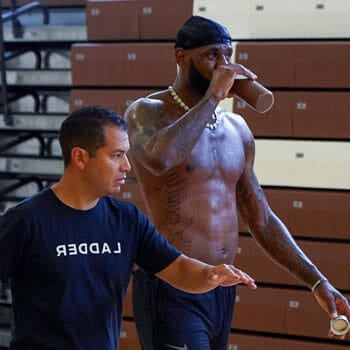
x=161 y=134
x=268 y=230
x=274 y=238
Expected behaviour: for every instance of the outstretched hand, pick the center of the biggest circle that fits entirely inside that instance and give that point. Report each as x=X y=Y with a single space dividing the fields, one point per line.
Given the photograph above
x=228 y=275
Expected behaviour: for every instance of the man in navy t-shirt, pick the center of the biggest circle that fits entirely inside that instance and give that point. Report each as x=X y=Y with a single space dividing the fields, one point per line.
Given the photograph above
x=70 y=249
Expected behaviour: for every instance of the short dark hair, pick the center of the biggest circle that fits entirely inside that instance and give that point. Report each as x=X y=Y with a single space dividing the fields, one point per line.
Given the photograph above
x=84 y=128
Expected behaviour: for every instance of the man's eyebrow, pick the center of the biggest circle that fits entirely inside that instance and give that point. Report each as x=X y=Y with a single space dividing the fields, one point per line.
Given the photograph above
x=119 y=150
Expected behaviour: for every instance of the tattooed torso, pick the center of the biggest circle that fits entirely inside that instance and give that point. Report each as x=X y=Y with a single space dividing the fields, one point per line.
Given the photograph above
x=194 y=204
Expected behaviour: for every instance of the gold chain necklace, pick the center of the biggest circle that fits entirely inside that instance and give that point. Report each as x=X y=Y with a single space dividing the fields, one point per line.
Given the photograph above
x=178 y=100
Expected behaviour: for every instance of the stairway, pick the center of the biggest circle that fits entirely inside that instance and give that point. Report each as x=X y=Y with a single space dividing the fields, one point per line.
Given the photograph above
x=36 y=84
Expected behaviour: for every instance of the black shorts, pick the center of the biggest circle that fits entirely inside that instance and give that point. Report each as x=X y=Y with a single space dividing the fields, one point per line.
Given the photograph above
x=167 y=318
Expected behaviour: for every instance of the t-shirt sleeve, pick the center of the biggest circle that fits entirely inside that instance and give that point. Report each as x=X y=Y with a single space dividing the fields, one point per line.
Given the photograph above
x=12 y=241
x=154 y=252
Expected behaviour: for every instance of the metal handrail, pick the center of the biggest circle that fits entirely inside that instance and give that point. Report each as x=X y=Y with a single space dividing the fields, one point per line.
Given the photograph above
x=14 y=13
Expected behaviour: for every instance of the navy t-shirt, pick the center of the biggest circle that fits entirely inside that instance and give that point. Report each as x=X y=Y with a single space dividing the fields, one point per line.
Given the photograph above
x=70 y=269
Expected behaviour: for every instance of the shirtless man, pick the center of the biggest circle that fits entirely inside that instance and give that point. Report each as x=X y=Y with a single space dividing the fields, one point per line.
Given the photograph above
x=195 y=163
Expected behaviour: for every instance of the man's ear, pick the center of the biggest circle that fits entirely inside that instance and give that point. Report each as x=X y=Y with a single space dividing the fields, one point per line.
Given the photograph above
x=79 y=157
x=182 y=58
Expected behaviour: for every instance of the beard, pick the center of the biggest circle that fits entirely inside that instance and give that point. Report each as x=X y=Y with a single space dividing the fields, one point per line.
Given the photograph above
x=197 y=81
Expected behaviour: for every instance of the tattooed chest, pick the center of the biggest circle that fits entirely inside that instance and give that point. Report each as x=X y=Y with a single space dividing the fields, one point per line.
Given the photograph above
x=215 y=157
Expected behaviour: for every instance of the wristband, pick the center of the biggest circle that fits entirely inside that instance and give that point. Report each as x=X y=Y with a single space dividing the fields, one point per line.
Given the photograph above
x=317 y=283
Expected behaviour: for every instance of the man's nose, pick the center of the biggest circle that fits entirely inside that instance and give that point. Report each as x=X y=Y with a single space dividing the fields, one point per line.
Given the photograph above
x=126 y=166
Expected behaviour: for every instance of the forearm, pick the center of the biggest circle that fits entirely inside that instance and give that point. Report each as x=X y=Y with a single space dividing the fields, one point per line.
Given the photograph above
x=193 y=276
x=188 y=275
x=275 y=239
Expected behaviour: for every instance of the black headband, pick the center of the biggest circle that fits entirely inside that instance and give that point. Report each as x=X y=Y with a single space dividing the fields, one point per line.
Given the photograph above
x=199 y=31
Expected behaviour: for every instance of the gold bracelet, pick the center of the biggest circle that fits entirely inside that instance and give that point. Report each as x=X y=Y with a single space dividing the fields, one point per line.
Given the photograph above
x=317 y=283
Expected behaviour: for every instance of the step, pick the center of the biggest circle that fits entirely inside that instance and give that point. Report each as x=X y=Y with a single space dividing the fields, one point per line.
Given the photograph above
x=31 y=165
x=47 y=77
x=64 y=25
x=48 y=33
x=30 y=122
x=40 y=59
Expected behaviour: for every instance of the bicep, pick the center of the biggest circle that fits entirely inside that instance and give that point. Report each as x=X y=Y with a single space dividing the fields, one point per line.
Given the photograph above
x=141 y=125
